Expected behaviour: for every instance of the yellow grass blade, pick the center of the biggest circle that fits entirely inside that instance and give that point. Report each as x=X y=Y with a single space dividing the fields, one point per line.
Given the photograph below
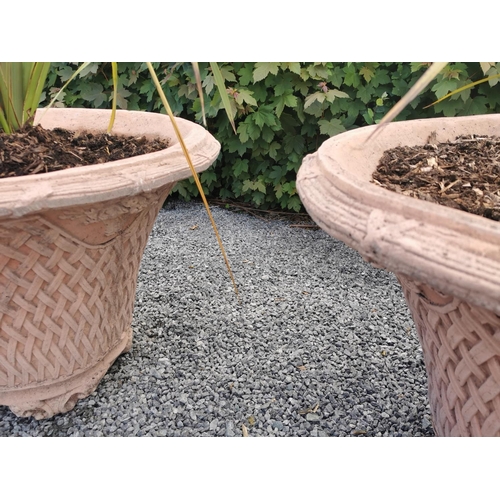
x=197 y=75
x=465 y=87
x=193 y=171
x=419 y=85
x=73 y=76
x=114 y=72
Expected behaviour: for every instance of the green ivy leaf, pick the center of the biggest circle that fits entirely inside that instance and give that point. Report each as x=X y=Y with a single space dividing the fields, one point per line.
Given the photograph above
x=302 y=87
x=365 y=94
x=267 y=134
x=254 y=130
x=276 y=174
x=263 y=69
x=240 y=166
x=294 y=162
x=248 y=185
x=351 y=77
x=368 y=116
x=245 y=95
x=418 y=67
x=316 y=97
x=246 y=74
x=234 y=145
x=444 y=86
x=318 y=70
x=65 y=73
x=492 y=95
x=227 y=75
x=273 y=150
x=331 y=127
x=286 y=99
x=242 y=132
x=93 y=92
x=449 y=107
x=121 y=98
x=208 y=84
x=316 y=109
x=337 y=77
x=400 y=86
x=294 y=67
x=258 y=198
x=294 y=204
x=293 y=143
x=260 y=93
x=180 y=188
x=91 y=69
x=476 y=106
x=381 y=77
x=263 y=116
x=260 y=186
x=284 y=84
x=332 y=94
x=208 y=177
x=148 y=89
x=367 y=73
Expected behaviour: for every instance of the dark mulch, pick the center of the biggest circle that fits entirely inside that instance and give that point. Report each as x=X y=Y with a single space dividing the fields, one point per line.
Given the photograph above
x=462 y=174
x=36 y=150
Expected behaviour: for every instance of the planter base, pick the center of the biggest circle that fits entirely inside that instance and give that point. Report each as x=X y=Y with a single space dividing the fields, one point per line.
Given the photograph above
x=461 y=345
x=63 y=396
x=68 y=281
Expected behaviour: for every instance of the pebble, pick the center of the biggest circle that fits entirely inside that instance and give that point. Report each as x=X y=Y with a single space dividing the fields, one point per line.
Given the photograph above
x=230 y=429
x=278 y=425
x=202 y=363
x=312 y=417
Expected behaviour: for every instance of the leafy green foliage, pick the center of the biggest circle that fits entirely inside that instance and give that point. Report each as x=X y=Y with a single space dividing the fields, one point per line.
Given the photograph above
x=21 y=86
x=283 y=111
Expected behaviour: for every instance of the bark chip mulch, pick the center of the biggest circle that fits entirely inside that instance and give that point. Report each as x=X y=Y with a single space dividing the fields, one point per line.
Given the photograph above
x=462 y=174
x=35 y=150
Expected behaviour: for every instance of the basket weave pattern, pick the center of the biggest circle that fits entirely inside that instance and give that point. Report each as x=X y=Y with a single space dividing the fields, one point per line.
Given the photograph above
x=461 y=346
x=65 y=304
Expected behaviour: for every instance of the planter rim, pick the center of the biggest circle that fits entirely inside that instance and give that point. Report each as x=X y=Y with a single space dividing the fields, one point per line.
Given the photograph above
x=455 y=252
x=95 y=183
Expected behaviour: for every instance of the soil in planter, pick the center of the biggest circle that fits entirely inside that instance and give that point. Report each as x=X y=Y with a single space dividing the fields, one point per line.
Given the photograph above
x=462 y=174
x=35 y=150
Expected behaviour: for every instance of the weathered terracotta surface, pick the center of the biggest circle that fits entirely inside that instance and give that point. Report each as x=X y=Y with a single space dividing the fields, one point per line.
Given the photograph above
x=70 y=249
x=447 y=261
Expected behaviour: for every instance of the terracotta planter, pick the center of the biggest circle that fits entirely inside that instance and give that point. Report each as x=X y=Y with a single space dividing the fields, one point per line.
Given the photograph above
x=447 y=261
x=70 y=248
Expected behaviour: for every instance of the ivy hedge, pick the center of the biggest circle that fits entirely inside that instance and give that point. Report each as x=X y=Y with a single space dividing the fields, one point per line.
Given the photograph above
x=284 y=111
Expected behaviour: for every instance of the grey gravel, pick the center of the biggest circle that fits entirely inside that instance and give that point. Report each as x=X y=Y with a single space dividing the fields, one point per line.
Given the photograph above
x=322 y=344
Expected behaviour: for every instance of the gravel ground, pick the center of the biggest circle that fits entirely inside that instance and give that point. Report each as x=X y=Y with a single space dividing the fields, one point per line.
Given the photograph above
x=322 y=343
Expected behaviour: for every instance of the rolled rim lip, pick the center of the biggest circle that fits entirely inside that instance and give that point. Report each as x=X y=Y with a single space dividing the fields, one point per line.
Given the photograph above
x=378 y=196
x=330 y=187
x=105 y=181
